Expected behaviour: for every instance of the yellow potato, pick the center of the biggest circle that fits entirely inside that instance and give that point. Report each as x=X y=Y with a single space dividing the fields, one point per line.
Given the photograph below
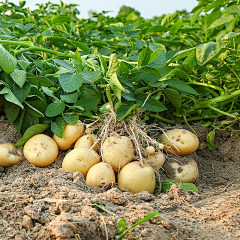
x=80 y=160
x=118 y=151
x=186 y=172
x=155 y=160
x=150 y=150
x=40 y=150
x=71 y=133
x=135 y=178
x=100 y=173
x=180 y=142
x=9 y=154
x=88 y=141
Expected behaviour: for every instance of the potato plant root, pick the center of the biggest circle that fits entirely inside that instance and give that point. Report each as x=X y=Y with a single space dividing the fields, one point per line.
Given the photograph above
x=50 y=203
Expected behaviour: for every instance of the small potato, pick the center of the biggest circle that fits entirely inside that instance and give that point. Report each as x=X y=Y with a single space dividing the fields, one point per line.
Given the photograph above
x=70 y=135
x=40 y=150
x=150 y=150
x=135 y=178
x=155 y=160
x=185 y=141
x=9 y=155
x=184 y=172
x=100 y=173
x=80 y=160
x=118 y=151
x=88 y=141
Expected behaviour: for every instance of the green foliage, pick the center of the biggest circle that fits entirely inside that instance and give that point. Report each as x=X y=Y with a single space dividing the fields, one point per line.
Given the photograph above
x=56 y=67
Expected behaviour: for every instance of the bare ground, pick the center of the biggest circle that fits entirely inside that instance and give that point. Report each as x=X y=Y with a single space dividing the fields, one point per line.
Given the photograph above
x=50 y=203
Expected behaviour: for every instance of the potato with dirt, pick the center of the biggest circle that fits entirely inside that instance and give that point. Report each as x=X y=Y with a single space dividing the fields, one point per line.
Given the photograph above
x=118 y=151
x=155 y=160
x=184 y=169
x=100 y=173
x=71 y=133
x=88 y=141
x=80 y=160
x=136 y=177
x=40 y=150
x=9 y=155
x=180 y=142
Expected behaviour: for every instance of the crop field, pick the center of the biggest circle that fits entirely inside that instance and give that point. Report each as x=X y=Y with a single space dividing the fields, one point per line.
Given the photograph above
x=119 y=127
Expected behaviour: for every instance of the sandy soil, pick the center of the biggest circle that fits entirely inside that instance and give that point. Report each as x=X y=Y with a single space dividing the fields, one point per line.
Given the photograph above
x=50 y=203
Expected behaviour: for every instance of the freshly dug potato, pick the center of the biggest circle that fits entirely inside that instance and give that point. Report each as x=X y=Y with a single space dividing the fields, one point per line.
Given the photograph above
x=80 y=160
x=9 y=154
x=88 y=141
x=155 y=160
x=135 y=178
x=185 y=141
x=184 y=172
x=118 y=151
x=150 y=150
x=71 y=133
x=100 y=173
x=40 y=150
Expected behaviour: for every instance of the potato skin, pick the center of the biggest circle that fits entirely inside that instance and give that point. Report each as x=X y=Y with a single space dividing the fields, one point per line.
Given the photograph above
x=40 y=150
x=100 y=173
x=80 y=160
x=184 y=140
x=71 y=133
x=135 y=178
x=187 y=172
x=88 y=141
x=9 y=155
x=118 y=151
x=155 y=160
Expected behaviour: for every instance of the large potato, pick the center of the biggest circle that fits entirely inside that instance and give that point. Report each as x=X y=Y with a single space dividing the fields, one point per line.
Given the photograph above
x=155 y=160
x=135 y=178
x=9 y=154
x=100 y=173
x=40 y=150
x=80 y=160
x=185 y=141
x=118 y=151
x=88 y=141
x=187 y=171
x=71 y=133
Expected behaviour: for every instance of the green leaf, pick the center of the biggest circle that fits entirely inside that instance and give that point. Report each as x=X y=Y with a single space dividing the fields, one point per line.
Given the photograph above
x=195 y=15
x=232 y=9
x=181 y=54
x=175 y=97
x=176 y=26
x=33 y=111
x=78 y=61
x=69 y=98
x=121 y=226
x=113 y=65
x=210 y=139
x=188 y=187
x=30 y=132
x=116 y=82
x=125 y=110
x=11 y=110
x=57 y=126
x=157 y=59
x=205 y=52
x=7 y=62
x=169 y=18
x=23 y=92
x=19 y=77
x=220 y=21
x=71 y=82
x=144 y=57
x=64 y=64
x=55 y=109
x=150 y=103
x=87 y=103
x=39 y=80
x=10 y=97
x=103 y=64
x=71 y=118
x=91 y=76
x=82 y=46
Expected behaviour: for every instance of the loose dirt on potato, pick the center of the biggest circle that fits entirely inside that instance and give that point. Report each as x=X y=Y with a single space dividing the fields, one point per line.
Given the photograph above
x=50 y=203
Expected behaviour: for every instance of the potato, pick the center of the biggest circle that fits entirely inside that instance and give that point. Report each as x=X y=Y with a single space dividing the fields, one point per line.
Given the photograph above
x=88 y=141
x=40 y=150
x=118 y=151
x=80 y=160
x=100 y=173
x=187 y=171
x=155 y=160
x=150 y=150
x=185 y=141
x=71 y=133
x=9 y=155
x=135 y=178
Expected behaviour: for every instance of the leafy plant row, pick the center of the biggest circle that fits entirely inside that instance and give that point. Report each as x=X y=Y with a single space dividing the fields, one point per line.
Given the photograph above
x=57 y=67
